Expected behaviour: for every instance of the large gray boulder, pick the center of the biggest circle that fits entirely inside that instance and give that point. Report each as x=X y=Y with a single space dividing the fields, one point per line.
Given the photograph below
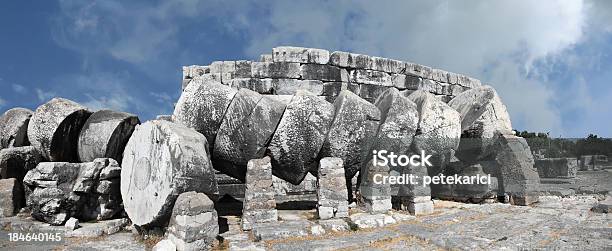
x=484 y=119
x=399 y=120
x=17 y=161
x=299 y=136
x=105 y=134
x=202 y=106
x=162 y=160
x=439 y=128
x=246 y=129
x=518 y=177
x=14 y=127
x=54 y=129
x=352 y=132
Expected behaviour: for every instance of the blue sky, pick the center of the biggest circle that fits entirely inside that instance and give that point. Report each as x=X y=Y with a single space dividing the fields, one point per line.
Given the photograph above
x=551 y=61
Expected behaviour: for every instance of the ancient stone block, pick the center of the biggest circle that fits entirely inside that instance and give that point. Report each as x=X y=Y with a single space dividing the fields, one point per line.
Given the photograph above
x=243 y=69
x=194 y=71
x=484 y=118
x=105 y=134
x=54 y=129
x=17 y=161
x=376 y=196
x=259 y=85
x=259 y=205
x=350 y=60
x=332 y=193
x=371 y=92
x=223 y=67
x=388 y=65
x=246 y=129
x=300 y=55
x=155 y=149
x=72 y=224
x=292 y=86
x=334 y=225
x=439 y=75
x=275 y=70
x=475 y=193
x=333 y=89
x=365 y=221
x=398 y=122
x=299 y=136
x=419 y=70
x=11 y=197
x=557 y=167
x=14 y=127
x=411 y=82
x=439 y=129
x=193 y=224
x=323 y=73
x=370 y=77
x=266 y=58
x=202 y=106
x=519 y=179
x=352 y=132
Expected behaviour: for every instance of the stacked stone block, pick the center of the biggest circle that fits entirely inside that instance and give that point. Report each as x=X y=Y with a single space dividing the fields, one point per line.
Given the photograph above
x=194 y=223
x=557 y=167
x=259 y=205
x=326 y=74
x=332 y=192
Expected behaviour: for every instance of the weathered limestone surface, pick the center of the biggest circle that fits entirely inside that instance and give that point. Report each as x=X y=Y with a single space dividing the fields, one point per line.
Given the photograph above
x=202 y=107
x=299 y=55
x=398 y=122
x=54 y=129
x=295 y=145
x=245 y=131
x=484 y=118
x=87 y=191
x=11 y=197
x=557 y=167
x=323 y=73
x=105 y=134
x=439 y=128
x=193 y=224
x=259 y=205
x=14 y=127
x=161 y=160
x=275 y=70
x=352 y=132
x=519 y=179
x=377 y=197
x=17 y=161
x=332 y=193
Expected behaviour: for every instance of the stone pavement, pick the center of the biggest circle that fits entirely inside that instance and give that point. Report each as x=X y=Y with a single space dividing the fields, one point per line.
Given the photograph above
x=553 y=223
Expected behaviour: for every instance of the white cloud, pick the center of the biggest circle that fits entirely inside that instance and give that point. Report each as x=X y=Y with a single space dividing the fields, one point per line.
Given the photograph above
x=513 y=45
x=44 y=96
x=19 y=88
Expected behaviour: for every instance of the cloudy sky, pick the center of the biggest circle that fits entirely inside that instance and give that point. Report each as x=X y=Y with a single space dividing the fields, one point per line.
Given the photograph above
x=551 y=61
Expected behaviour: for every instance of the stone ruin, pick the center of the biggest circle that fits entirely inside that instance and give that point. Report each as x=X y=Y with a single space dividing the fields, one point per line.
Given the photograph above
x=296 y=112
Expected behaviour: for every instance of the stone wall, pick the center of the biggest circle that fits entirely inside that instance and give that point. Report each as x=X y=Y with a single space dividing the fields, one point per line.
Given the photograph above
x=288 y=69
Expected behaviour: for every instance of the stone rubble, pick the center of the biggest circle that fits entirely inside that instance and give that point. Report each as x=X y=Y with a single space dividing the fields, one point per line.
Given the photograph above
x=60 y=190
